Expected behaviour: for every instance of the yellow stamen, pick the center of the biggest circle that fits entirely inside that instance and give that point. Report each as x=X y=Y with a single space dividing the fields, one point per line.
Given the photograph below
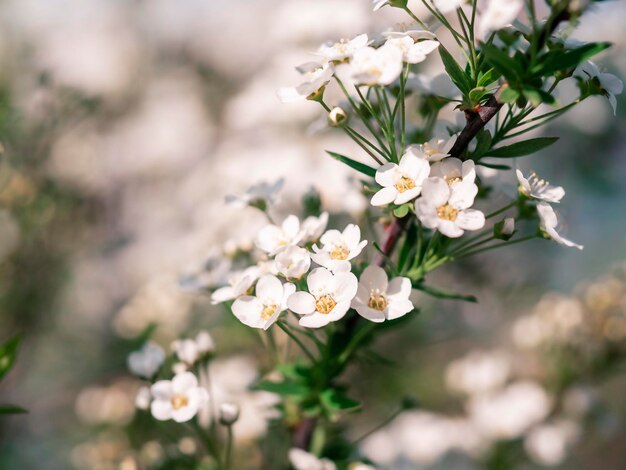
x=454 y=179
x=325 y=304
x=447 y=212
x=339 y=252
x=179 y=401
x=404 y=184
x=268 y=311
x=377 y=300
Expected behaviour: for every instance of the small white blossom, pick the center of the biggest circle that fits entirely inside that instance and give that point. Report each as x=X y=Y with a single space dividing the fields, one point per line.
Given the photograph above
x=611 y=85
x=378 y=299
x=447 y=209
x=338 y=248
x=403 y=182
x=316 y=77
x=238 y=284
x=190 y=350
x=263 y=309
x=328 y=298
x=343 y=49
x=536 y=188
x=548 y=223
x=313 y=227
x=178 y=399
x=380 y=66
x=435 y=149
x=302 y=460
x=446 y=6
x=478 y=372
x=454 y=171
x=260 y=195
x=293 y=262
x=412 y=52
x=147 y=361
x=497 y=15
x=143 y=398
x=548 y=444
x=272 y=238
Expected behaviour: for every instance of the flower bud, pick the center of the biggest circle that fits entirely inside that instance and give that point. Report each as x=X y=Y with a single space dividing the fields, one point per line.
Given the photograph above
x=508 y=227
x=229 y=414
x=337 y=117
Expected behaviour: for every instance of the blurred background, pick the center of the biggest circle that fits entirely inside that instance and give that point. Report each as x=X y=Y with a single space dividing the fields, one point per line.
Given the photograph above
x=125 y=124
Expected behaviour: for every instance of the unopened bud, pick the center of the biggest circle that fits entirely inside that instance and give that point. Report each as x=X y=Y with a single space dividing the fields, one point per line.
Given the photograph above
x=508 y=226
x=337 y=117
x=229 y=414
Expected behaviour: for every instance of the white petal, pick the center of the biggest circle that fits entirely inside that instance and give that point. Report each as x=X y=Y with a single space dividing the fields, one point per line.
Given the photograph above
x=319 y=280
x=288 y=95
x=301 y=303
x=447 y=168
x=397 y=309
x=222 y=295
x=248 y=311
x=470 y=219
x=345 y=286
x=183 y=382
x=449 y=229
x=426 y=47
x=547 y=216
x=291 y=226
x=269 y=289
x=384 y=196
x=161 y=390
x=184 y=413
x=387 y=174
x=399 y=288
x=374 y=277
x=426 y=213
x=370 y=314
x=407 y=196
x=314 y=320
x=352 y=235
x=468 y=171
x=463 y=195
x=611 y=83
x=330 y=237
x=161 y=409
x=436 y=191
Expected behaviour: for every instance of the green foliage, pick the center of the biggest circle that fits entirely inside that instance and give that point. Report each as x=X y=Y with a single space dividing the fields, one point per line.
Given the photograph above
x=8 y=353
x=358 y=166
x=459 y=77
x=520 y=149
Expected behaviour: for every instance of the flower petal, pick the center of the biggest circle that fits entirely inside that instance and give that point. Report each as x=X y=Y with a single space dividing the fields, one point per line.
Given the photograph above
x=374 y=277
x=183 y=382
x=161 y=409
x=436 y=191
x=387 y=174
x=345 y=286
x=398 y=309
x=301 y=303
x=399 y=288
x=248 y=311
x=470 y=219
x=319 y=281
x=269 y=289
x=384 y=196
x=314 y=320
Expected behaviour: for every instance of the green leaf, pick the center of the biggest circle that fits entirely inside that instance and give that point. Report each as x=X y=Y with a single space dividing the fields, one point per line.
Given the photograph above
x=504 y=64
x=458 y=76
x=335 y=400
x=282 y=388
x=494 y=166
x=12 y=410
x=569 y=59
x=537 y=96
x=483 y=143
x=402 y=210
x=509 y=95
x=519 y=149
x=476 y=94
x=358 y=166
x=8 y=353
x=442 y=294
x=488 y=77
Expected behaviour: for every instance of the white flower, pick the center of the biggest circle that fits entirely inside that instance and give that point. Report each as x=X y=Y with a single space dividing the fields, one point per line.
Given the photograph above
x=549 y=443
x=535 y=188
x=229 y=413
x=435 y=149
x=402 y=182
x=178 y=399
x=293 y=262
x=238 y=284
x=328 y=298
x=338 y=248
x=147 y=361
x=412 y=52
x=497 y=15
x=316 y=77
x=190 y=350
x=143 y=398
x=548 y=223
x=260 y=195
x=448 y=209
x=344 y=49
x=380 y=66
x=454 y=171
x=272 y=238
x=262 y=310
x=378 y=299
x=313 y=227
x=478 y=372
x=378 y=4
x=302 y=460
x=612 y=85
x=446 y=6
x=438 y=85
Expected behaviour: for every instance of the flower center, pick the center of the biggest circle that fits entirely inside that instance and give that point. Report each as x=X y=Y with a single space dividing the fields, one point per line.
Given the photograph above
x=268 y=311
x=179 y=401
x=339 y=252
x=325 y=304
x=447 y=212
x=454 y=179
x=404 y=184
x=377 y=300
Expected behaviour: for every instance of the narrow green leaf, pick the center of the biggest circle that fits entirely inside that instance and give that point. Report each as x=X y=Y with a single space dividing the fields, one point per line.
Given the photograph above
x=442 y=294
x=8 y=353
x=334 y=400
x=12 y=410
x=476 y=94
x=504 y=64
x=494 y=166
x=458 y=76
x=488 y=77
x=568 y=59
x=282 y=388
x=358 y=166
x=519 y=149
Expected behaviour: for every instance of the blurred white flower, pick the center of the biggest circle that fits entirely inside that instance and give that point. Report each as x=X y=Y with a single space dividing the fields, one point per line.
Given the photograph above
x=178 y=399
x=313 y=227
x=263 y=309
x=548 y=223
x=147 y=361
x=611 y=85
x=293 y=262
x=434 y=150
x=239 y=283
x=316 y=77
x=273 y=238
x=302 y=460
x=380 y=66
x=548 y=444
x=536 y=188
x=262 y=195
x=343 y=49
x=478 y=372
x=328 y=298
x=446 y=6
x=190 y=350
x=338 y=248
x=143 y=398
x=498 y=14
x=403 y=182
x=378 y=299
x=447 y=209
x=412 y=52
x=509 y=413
